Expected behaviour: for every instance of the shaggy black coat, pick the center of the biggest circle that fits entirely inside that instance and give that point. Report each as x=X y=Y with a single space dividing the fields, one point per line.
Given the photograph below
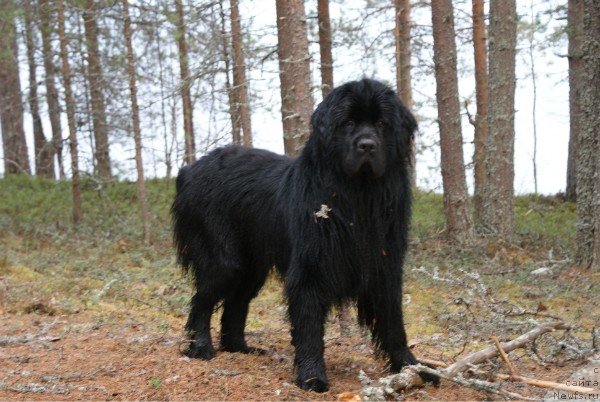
x=333 y=221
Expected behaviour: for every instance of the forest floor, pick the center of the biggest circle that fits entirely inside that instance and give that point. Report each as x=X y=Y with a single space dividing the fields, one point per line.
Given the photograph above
x=94 y=314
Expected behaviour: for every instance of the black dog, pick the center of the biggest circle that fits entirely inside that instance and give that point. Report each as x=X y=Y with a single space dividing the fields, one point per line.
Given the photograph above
x=334 y=221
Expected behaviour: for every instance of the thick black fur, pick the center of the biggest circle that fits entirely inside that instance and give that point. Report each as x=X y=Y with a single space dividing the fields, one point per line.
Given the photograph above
x=334 y=221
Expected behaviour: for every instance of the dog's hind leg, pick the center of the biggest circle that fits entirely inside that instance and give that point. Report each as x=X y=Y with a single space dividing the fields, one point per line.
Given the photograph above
x=235 y=313
x=198 y=324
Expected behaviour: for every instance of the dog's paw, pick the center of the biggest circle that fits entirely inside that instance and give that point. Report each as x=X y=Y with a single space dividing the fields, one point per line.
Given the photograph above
x=203 y=352
x=406 y=358
x=313 y=384
x=430 y=378
x=249 y=350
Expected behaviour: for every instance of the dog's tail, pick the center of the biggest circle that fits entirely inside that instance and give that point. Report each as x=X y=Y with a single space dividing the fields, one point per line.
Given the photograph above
x=184 y=235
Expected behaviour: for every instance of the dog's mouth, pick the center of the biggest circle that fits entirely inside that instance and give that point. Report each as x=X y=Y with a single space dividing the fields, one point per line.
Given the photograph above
x=364 y=166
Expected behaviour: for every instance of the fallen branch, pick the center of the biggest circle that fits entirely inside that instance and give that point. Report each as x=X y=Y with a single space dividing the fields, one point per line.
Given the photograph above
x=492 y=351
x=526 y=380
x=406 y=380
x=474 y=383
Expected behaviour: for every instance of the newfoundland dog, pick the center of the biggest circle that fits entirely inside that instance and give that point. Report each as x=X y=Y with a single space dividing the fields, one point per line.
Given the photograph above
x=333 y=221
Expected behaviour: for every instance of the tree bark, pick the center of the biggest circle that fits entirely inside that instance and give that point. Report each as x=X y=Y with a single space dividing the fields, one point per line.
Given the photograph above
x=137 y=132
x=168 y=142
x=498 y=192
x=70 y=105
x=574 y=30
x=403 y=81
x=51 y=92
x=325 y=47
x=186 y=97
x=16 y=158
x=403 y=69
x=96 y=82
x=231 y=95
x=44 y=161
x=531 y=39
x=240 y=84
x=294 y=74
x=456 y=199
x=481 y=94
x=588 y=159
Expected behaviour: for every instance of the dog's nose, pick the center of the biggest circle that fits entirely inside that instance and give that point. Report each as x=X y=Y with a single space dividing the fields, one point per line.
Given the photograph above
x=366 y=145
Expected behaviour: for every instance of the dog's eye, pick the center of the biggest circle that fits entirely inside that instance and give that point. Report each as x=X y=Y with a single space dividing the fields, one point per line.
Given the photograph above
x=350 y=123
x=380 y=124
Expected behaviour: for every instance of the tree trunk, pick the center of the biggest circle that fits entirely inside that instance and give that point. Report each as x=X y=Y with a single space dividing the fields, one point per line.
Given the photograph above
x=240 y=85
x=456 y=198
x=325 y=47
x=498 y=192
x=231 y=95
x=531 y=39
x=186 y=97
x=403 y=81
x=97 y=97
x=44 y=161
x=16 y=158
x=137 y=132
x=574 y=30
x=588 y=156
x=51 y=92
x=481 y=119
x=168 y=141
x=294 y=74
x=70 y=105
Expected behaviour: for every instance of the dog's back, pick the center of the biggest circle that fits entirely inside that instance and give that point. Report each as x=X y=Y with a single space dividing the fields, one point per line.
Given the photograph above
x=220 y=199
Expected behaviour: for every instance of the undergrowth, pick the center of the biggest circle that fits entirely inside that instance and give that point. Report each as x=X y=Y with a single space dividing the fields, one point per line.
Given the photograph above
x=101 y=268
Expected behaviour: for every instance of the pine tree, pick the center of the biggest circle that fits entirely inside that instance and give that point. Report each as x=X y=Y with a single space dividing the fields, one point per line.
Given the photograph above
x=574 y=30
x=325 y=47
x=70 y=106
x=481 y=119
x=186 y=97
x=137 y=132
x=294 y=74
x=498 y=203
x=456 y=199
x=46 y=27
x=96 y=85
x=588 y=152
x=16 y=158
x=44 y=150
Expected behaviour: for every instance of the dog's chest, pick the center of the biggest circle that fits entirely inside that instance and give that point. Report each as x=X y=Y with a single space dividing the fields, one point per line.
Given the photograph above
x=355 y=235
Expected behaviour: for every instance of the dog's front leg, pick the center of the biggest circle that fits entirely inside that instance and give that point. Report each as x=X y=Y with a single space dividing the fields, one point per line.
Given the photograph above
x=307 y=311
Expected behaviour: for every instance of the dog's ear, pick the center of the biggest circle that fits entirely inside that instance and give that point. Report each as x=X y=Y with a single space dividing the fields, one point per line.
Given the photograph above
x=323 y=122
x=405 y=126
x=320 y=121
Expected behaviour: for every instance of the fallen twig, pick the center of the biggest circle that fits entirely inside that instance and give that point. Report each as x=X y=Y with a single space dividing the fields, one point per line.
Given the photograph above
x=504 y=357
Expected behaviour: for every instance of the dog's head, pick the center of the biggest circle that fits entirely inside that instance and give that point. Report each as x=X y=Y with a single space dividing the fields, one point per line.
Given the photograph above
x=363 y=128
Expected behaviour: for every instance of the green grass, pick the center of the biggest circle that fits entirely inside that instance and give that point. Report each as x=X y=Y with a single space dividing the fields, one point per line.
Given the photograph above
x=38 y=208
